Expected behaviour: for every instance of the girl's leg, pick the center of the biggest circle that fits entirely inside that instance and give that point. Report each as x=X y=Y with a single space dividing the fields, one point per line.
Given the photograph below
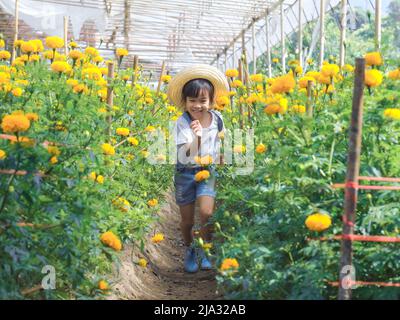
x=187 y=222
x=206 y=206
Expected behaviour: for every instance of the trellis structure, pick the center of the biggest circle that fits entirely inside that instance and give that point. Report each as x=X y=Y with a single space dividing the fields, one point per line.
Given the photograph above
x=183 y=32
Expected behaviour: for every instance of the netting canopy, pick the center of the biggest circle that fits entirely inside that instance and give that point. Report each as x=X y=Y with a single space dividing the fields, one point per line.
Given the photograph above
x=179 y=32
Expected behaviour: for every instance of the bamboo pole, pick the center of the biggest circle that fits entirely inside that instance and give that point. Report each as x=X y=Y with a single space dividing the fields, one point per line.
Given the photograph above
x=66 y=20
x=161 y=74
x=353 y=168
x=283 y=50
x=234 y=55
x=378 y=24
x=322 y=33
x=226 y=59
x=343 y=26
x=110 y=77
x=240 y=70
x=14 y=52
x=309 y=105
x=300 y=47
x=253 y=47
x=135 y=67
x=268 y=47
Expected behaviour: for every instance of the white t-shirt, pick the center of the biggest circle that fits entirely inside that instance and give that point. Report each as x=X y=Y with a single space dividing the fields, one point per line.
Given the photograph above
x=210 y=141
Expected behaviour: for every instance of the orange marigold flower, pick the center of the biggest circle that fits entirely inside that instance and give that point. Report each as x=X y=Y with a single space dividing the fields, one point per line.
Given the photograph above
x=15 y=123
x=54 y=42
x=229 y=264
x=111 y=240
x=157 y=238
x=202 y=175
x=103 y=285
x=318 y=222
x=373 y=59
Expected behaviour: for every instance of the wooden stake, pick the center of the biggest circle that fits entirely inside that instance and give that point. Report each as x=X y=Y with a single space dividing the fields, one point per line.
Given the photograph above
x=66 y=20
x=135 y=67
x=300 y=44
x=240 y=70
x=309 y=106
x=378 y=24
x=353 y=168
x=253 y=47
x=322 y=33
x=14 y=52
x=110 y=77
x=161 y=74
x=283 y=50
x=268 y=47
x=343 y=26
x=233 y=55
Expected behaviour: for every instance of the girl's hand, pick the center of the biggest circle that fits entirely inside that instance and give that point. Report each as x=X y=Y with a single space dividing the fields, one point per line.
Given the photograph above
x=196 y=127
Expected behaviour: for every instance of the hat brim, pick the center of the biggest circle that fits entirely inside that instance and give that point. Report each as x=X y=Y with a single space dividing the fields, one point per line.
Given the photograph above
x=200 y=71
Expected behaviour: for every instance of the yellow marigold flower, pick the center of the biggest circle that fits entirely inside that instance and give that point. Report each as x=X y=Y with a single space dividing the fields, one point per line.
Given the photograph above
x=202 y=175
x=34 y=57
x=166 y=78
x=5 y=55
x=72 y=82
x=394 y=74
x=310 y=61
x=276 y=105
x=133 y=141
x=75 y=54
x=152 y=202
x=92 y=176
x=229 y=264
x=73 y=45
x=92 y=52
x=92 y=73
x=60 y=66
x=53 y=160
x=39 y=45
x=303 y=82
x=149 y=100
x=53 y=150
x=275 y=60
x=16 y=92
x=149 y=129
x=2 y=154
x=373 y=78
x=204 y=161
x=330 y=70
x=392 y=113
x=4 y=77
x=100 y=179
x=120 y=52
x=145 y=153
x=283 y=84
x=261 y=148
x=54 y=42
x=15 y=123
x=237 y=84
x=373 y=59
x=254 y=98
x=28 y=47
x=171 y=109
x=222 y=101
x=232 y=73
x=293 y=63
x=111 y=240
x=80 y=88
x=348 y=68
x=318 y=222
x=2 y=43
x=98 y=59
x=157 y=238
x=299 y=108
x=108 y=149
x=257 y=77
x=103 y=285
x=298 y=70
x=122 y=131
x=122 y=204
x=142 y=262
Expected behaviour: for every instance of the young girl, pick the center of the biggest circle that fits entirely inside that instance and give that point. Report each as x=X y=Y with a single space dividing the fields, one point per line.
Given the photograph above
x=195 y=90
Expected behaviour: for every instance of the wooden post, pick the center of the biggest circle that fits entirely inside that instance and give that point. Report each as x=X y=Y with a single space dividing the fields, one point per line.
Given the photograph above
x=378 y=24
x=300 y=47
x=15 y=30
x=233 y=55
x=283 y=50
x=309 y=106
x=218 y=66
x=161 y=74
x=110 y=77
x=343 y=26
x=240 y=70
x=322 y=33
x=253 y=47
x=353 y=167
x=66 y=20
x=268 y=47
x=135 y=67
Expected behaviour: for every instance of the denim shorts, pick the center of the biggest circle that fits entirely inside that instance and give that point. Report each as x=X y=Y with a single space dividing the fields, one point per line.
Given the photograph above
x=187 y=190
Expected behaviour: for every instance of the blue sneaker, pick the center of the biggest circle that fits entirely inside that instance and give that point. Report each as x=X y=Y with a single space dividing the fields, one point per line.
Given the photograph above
x=190 y=262
x=204 y=262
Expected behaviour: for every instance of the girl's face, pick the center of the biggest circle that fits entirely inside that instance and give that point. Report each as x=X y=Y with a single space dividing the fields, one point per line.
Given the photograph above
x=196 y=106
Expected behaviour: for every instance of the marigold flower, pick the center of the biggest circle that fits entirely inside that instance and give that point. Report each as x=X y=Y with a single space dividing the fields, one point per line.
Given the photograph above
x=373 y=59
x=166 y=78
x=373 y=78
x=53 y=160
x=108 y=149
x=92 y=176
x=133 y=141
x=80 y=88
x=54 y=42
x=122 y=131
x=229 y=264
x=394 y=74
x=348 y=68
x=53 y=150
x=261 y=148
x=122 y=204
x=28 y=47
x=232 y=73
x=111 y=240
x=257 y=77
x=2 y=43
x=120 y=52
x=202 y=175
x=204 y=161
x=392 y=113
x=75 y=54
x=222 y=101
x=142 y=262
x=5 y=55
x=330 y=70
x=92 y=52
x=237 y=84
x=157 y=238
x=60 y=66
x=303 y=82
x=92 y=73
x=3 y=154
x=283 y=84
x=100 y=179
x=16 y=92
x=318 y=222
x=103 y=285
x=15 y=123
x=299 y=108
x=152 y=202
x=149 y=129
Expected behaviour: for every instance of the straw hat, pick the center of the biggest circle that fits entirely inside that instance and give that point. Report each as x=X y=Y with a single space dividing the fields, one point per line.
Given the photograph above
x=199 y=71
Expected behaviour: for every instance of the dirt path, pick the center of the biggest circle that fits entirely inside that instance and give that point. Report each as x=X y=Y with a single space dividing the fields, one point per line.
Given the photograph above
x=164 y=277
